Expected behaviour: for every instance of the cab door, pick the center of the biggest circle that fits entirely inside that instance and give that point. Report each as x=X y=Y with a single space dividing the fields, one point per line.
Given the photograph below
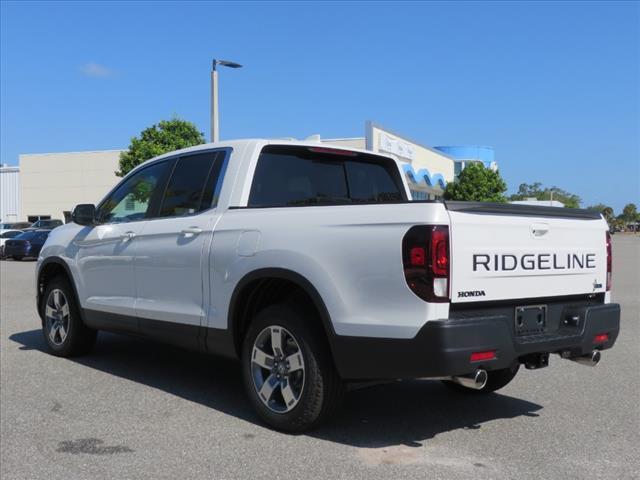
x=106 y=252
x=170 y=253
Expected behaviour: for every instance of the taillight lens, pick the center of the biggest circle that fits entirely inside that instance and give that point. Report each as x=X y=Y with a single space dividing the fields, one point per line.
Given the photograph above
x=609 y=261
x=440 y=251
x=425 y=256
x=481 y=356
x=601 y=338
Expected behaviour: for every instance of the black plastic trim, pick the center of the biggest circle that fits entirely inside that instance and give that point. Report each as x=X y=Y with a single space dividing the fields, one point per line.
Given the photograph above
x=524 y=210
x=110 y=322
x=443 y=347
x=190 y=337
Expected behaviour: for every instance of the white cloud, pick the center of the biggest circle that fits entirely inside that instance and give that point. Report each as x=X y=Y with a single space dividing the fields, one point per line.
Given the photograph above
x=96 y=70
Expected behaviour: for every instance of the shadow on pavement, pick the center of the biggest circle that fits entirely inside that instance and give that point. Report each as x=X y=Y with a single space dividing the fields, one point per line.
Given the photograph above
x=383 y=415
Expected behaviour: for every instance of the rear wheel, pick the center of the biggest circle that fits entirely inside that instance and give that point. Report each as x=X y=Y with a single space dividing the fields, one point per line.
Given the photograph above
x=496 y=379
x=65 y=333
x=287 y=368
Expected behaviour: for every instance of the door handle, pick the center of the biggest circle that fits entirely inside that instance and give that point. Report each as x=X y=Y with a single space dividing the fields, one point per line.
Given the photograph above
x=126 y=236
x=191 y=231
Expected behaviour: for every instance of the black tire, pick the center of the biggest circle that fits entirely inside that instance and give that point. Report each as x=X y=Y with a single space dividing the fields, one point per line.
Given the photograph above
x=17 y=258
x=322 y=388
x=79 y=339
x=496 y=379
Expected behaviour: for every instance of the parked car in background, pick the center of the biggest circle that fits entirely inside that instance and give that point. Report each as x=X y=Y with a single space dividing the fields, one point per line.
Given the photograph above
x=4 y=236
x=49 y=224
x=14 y=226
x=27 y=244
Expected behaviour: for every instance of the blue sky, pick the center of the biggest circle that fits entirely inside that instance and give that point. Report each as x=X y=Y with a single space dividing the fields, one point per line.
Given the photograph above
x=553 y=87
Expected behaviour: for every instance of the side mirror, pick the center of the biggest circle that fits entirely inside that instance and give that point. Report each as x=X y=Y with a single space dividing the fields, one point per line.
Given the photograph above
x=84 y=214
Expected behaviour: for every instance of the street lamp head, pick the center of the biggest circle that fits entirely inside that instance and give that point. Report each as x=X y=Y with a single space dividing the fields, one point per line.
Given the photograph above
x=225 y=63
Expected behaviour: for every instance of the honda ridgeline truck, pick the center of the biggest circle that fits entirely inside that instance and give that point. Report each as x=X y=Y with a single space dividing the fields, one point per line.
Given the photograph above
x=312 y=266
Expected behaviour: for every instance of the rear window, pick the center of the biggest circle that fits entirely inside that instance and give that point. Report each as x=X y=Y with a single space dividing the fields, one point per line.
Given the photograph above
x=298 y=176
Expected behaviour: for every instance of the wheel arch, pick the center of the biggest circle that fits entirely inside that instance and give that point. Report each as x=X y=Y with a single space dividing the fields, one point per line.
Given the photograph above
x=50 y=268
x=244 y=299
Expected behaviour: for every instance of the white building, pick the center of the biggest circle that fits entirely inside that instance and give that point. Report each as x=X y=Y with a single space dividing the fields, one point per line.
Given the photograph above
x=53 y=183
x=427 y=170
x=542 y=203
x=9 y=194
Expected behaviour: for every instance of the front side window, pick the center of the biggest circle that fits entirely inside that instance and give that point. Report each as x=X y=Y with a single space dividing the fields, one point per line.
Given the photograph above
x=297 y=176
x=192 y=184
x=132 y=200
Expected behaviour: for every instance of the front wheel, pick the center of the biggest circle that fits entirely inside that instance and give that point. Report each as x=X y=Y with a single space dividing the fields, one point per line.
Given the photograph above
x=288 y=372
x=64 y=331
x=496 y=379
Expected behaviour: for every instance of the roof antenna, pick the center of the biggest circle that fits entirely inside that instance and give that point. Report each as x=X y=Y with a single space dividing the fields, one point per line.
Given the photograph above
x=313 y=138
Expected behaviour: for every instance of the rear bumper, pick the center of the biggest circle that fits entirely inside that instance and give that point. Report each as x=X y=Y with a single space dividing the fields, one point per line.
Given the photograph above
x=444 y=347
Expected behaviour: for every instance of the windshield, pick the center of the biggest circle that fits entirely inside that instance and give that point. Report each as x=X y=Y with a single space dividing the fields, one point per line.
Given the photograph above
x=13 y=233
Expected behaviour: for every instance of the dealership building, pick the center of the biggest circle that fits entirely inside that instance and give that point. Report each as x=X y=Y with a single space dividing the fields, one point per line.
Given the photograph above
x=51 y=184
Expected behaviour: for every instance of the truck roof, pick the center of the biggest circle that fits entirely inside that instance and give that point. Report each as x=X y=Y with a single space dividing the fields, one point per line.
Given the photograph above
x=241 y=144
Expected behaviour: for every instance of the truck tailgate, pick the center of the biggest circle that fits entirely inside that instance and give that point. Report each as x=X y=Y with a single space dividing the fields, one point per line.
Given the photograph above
x=504 y=251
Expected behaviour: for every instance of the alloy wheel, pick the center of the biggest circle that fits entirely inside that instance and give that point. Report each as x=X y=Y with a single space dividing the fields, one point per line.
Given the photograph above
x=57 y=316
x=277 y=369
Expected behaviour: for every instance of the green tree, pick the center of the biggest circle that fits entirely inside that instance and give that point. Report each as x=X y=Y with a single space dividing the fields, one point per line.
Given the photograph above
x=535 y=190
x=630 y=212
x=166 y=136
x=605 y=210
x=477 y=183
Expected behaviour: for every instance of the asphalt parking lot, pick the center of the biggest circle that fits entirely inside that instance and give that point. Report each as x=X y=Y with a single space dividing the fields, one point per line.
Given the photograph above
x=141 y=410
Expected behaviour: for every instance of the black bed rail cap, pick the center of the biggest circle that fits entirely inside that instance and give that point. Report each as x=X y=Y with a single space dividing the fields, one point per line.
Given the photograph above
x=525 y=210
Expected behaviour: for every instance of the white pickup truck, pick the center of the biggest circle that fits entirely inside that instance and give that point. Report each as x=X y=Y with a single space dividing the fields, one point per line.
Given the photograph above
x=314 y=268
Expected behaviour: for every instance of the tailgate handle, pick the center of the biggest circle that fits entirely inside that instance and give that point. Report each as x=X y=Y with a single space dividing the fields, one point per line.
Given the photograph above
x=539 y=229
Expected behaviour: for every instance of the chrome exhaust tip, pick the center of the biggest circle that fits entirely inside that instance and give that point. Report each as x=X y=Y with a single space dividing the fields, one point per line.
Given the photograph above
x=590 y=360
x=475 y=381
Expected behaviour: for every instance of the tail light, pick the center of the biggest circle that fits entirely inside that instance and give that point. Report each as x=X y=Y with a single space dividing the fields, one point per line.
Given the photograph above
x=609 y=261
x=425 y=257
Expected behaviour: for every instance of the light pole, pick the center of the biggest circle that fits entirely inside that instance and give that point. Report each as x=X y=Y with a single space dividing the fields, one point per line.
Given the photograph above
x=215 y=136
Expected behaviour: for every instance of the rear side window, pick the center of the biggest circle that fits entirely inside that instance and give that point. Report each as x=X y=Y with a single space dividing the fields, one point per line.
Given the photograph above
x=372 y=182
x=297 y=176
x=192 y=185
